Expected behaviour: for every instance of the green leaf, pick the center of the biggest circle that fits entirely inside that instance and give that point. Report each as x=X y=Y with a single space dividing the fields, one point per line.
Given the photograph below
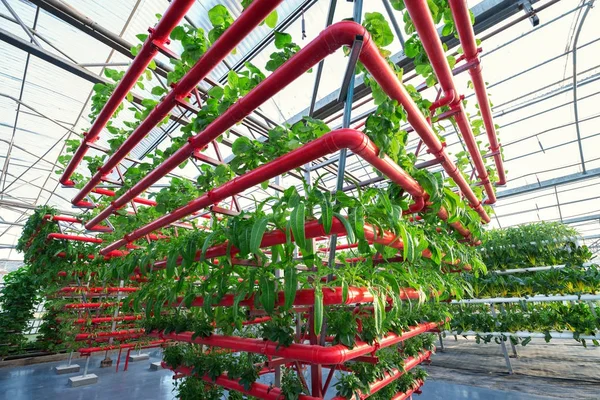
x=281 y=39
x=349 y=232
x=359 y=222
x=233 y=79
x=178 y=33
x=171 y=263
x=297 y=225
x=344 y=291
x=207 y=243
x=158 y=90
x=258 y=230
x=318 y=322
x=408 y=248
x=327 y=212
x=271 y=19
x=290 y=286
x=267 y=294
x=218 y=15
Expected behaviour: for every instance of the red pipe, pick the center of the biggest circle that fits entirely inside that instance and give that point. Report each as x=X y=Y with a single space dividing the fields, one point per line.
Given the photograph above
x=101 y=320
x=460 y=12
x=333 y=141
x=374 y=387
x=74 y=237
x=332 y=38
x=409 y=393
x=340 y=247
x=90 y=350
x=159 y=36
x=313 y=354
x=259 y=390
x=312 y=229
x=425 y=27
x=70 y=289
x=250 y=18
x=306 y=297
x=129 y=332
x=73 y=220
x=92 y=305
x=111 y=193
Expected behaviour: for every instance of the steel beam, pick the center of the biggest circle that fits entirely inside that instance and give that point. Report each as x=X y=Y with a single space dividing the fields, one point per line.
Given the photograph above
x=581 y=219
x=549 y=183
x=63 y=64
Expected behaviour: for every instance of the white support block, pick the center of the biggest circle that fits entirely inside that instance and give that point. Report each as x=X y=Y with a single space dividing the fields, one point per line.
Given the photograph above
x=139 y=357
x=83 y=380
x=66 y=369
x=155 y=366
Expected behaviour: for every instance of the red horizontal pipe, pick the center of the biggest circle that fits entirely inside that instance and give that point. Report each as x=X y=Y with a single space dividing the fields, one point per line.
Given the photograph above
x=460 y=12
x=70 y=289
x=91 y=305
x=115 y=253
x=73 y=220
x=154 y=343
x=313 y=354
x=159 y=36
x=410 y=392
x=340 y=247
x=74 y=238
x=425 y=27
x=115 y=334
x=312 y=229
x=250 y=18
x=111 y=193
x=102 y=320
x=259 y=390
x=391 y=376
x=329 y=41
x=356 y=141
x=306 y=297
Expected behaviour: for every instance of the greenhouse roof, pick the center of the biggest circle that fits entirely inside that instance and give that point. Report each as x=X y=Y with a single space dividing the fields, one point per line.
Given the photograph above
x=50 y=62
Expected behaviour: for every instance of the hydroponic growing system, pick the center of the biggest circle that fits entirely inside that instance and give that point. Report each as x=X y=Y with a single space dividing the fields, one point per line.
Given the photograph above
x=347 y=286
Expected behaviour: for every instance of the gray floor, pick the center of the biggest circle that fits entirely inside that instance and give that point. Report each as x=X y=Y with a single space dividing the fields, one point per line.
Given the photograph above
x=40 y=382
x=441 y=390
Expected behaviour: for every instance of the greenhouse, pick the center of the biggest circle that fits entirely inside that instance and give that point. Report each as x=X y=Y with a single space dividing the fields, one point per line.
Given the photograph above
x=299 y=199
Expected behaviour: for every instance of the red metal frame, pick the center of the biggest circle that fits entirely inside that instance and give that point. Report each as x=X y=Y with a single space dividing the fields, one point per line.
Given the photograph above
x=159 y=36
x=425 y=27
x=332 y=38
x=464 y=28
x=73 y=220
x=309 y=353
x=89 y=350
x=409 y=363
x=128 y=333
x=306 y=297
x=259 y=390
x=243 y=25
x=351 y=139
x=75 y=238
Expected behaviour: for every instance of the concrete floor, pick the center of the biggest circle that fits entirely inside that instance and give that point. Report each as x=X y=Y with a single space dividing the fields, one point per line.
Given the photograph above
x=39 y=381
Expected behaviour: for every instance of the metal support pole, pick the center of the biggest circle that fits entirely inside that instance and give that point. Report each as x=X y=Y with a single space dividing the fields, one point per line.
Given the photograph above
x=20 y=21
x=70 y=358
x=87 y=364
x=390 y=13
x=575 y=107
x=502 y=344
x=442 y=349
x=514 y=349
